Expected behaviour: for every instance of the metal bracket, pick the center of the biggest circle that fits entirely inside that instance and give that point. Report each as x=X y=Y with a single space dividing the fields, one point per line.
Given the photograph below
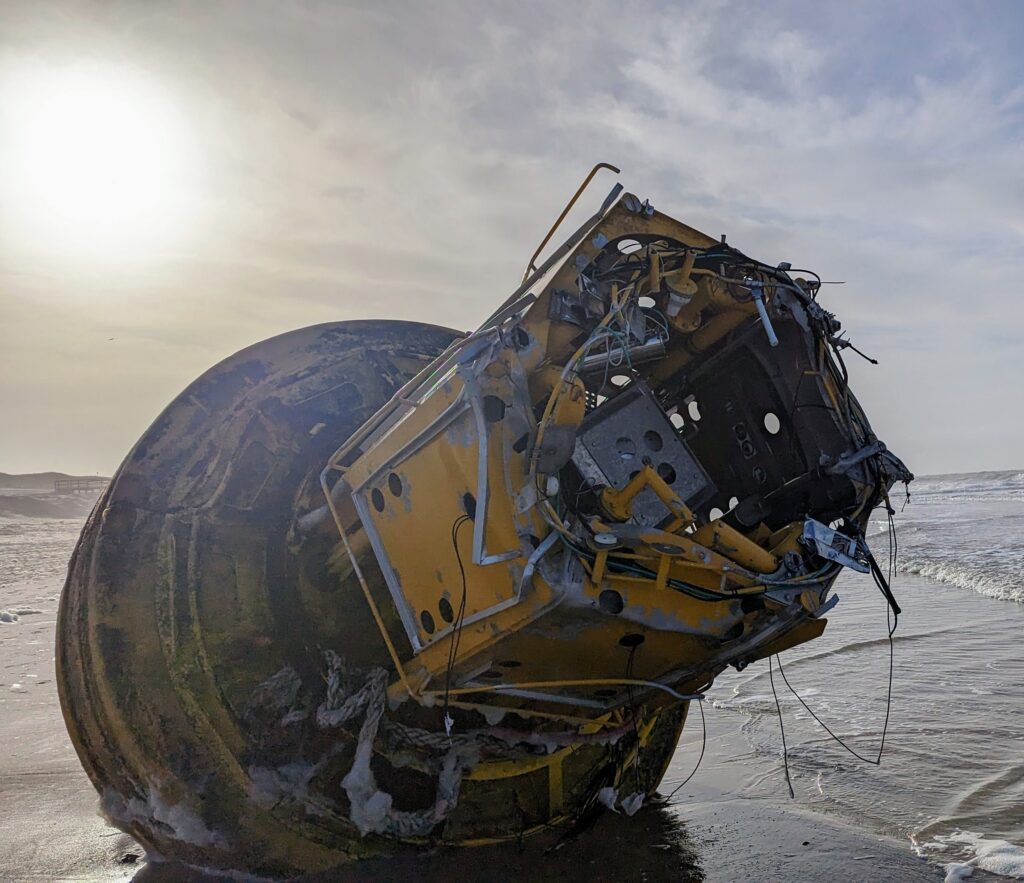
x=583 y=309
x=834 y=546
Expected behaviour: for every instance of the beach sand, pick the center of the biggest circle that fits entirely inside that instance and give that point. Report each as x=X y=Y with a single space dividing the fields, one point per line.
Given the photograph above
x=51 y=829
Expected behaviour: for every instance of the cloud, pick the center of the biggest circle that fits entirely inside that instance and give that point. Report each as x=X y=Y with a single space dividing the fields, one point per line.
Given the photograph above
x=404 y=160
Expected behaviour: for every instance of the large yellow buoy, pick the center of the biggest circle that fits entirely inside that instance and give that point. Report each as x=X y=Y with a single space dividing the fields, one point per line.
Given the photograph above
x=378 y=583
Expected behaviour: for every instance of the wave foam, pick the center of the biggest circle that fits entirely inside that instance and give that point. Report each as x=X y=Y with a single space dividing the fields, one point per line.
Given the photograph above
x=992 y=584
x=998 y=857
x=970 y=483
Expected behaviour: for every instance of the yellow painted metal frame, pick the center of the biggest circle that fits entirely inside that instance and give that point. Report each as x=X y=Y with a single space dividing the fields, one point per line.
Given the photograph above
x=722 y=561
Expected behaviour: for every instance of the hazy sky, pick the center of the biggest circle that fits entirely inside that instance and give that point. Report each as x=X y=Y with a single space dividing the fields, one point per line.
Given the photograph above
x=327 y=161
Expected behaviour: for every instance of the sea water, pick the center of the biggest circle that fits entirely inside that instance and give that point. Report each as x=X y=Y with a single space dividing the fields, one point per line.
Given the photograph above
x=951 y=777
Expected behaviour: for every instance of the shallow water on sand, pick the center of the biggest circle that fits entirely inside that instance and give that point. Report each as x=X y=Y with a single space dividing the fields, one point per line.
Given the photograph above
x=951 y=779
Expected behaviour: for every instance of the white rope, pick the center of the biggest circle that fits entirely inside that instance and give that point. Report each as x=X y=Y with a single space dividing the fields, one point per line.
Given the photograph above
x=371 y=810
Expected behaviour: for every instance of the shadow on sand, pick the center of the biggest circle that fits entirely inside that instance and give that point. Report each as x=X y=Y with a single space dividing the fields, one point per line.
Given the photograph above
x=653 y=845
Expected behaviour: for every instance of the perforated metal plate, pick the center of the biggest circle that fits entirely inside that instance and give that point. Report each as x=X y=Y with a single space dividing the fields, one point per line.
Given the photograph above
x=617 y=437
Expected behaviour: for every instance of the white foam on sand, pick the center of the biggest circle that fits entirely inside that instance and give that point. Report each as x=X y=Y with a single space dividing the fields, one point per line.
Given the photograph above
x=13 y=614
x=998 y=857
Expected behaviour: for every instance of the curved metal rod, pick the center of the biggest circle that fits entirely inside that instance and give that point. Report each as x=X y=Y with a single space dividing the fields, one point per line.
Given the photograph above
x=601 y=165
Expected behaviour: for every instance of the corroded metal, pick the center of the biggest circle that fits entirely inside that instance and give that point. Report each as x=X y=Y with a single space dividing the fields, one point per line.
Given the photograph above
x=375 y=584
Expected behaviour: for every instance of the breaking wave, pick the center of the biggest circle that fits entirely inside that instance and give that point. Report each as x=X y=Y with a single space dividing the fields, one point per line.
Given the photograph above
x=966 y=530
x=1009 y=482
x=1004 y=586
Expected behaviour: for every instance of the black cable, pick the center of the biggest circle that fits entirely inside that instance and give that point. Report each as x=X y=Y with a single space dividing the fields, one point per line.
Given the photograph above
x=876 y=572
x=894 y=546
x=782 y=729
x=703 y=745
x=888 y=693
x=866 y=358
x=893 y=551
x=794 y=271
x=883 y=587
x=844 y=387
x=878 y=760
x=453 y=647
x=632 y=712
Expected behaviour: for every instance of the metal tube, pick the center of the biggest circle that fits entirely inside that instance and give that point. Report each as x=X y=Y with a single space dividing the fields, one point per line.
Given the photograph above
x=644 y=352
x=601 y=165
x=758 y=292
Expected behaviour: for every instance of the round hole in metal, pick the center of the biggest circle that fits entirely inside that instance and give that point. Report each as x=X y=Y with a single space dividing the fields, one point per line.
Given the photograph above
x=611 y=602
x=494 y=409
x=444 y=607
x=625 y=447
x=653 y=440
x=428 y=622
x=667 y=548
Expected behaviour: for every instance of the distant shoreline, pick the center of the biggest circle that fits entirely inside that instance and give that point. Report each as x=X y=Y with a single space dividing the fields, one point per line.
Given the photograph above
x=41 y=481
x=20 y=502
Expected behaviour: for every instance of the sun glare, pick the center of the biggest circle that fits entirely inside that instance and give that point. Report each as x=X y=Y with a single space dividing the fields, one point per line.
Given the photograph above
x=95 y=162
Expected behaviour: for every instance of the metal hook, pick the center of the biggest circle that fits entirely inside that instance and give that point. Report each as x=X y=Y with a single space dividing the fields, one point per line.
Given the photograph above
x=601 y=165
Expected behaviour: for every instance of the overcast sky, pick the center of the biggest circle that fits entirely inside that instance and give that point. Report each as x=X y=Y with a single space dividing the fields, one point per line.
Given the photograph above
x=402 y=160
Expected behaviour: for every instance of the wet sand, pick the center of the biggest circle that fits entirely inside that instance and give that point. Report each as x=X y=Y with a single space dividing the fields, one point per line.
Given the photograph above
x=712 y=830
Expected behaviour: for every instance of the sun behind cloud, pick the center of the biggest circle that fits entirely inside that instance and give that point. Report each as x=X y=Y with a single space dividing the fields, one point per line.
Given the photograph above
x=95 y=161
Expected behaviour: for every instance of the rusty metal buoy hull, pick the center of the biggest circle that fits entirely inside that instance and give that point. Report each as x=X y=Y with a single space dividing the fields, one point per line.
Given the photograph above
x=191 y=588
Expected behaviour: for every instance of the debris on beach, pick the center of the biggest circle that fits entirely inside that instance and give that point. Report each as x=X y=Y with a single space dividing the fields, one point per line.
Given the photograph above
x=375 y=585
x=12 y=615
